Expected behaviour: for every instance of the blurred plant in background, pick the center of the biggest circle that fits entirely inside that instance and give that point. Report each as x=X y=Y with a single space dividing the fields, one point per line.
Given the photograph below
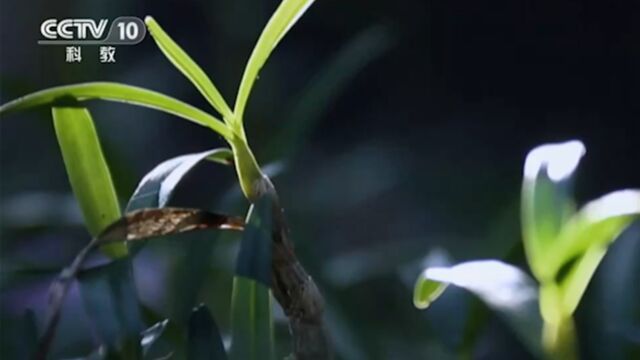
x=564 y=248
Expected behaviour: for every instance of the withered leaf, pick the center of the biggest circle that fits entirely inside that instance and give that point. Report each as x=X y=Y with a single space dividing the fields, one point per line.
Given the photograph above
x=147 y=223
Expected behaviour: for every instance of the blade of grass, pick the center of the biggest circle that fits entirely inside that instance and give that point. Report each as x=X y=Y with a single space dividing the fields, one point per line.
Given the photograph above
x=188 y=67
x=88 y=171
x=63 y=95
x=281 y=21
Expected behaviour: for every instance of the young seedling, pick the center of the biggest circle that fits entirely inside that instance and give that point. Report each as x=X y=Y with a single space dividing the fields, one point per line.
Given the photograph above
x=92 y=185
x=563 y=248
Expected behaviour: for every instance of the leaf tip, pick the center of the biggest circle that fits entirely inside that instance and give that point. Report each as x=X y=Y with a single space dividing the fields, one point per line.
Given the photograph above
x=559 y=160
x=426 y=291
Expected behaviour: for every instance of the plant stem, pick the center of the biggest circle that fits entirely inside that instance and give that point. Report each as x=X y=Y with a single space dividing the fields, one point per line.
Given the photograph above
x=559 y=340
x=296 y=291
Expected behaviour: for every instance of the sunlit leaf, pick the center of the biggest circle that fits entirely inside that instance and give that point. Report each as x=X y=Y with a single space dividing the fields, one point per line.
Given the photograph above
x=156 y=188
x=204 y=340
x=586 y=236
x=598 y=223
x=575 y=282
x=281 y=21
x=427 y=291
x=546 y=199
x=504 y=288
x=87 y=170
x=61 y=96
x=188 y=67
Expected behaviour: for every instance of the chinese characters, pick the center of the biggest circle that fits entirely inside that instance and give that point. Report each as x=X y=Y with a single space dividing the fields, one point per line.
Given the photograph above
x=107 y=54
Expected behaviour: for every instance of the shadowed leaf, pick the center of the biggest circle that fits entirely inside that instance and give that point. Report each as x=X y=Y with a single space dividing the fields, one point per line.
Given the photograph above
x=110 y=299
x=156 y=188
x=204 y=340
x=138 y=225
x=251 y=317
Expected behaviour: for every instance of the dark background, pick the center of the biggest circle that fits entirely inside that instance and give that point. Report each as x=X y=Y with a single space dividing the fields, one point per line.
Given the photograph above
x=421 y=147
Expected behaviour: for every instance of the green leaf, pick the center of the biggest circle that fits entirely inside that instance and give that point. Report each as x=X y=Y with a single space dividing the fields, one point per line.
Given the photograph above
x=156 y=188
x=188 y=67
x=204 y=340
x=63 y=95
x=427 y=291
x=251 y=320
x=249 y=174
x=281 y=21
x=507 y=290
x=598 y=223
x=254 y=258
x=87 y=171
x=586 y=236
x=546 y=200
x=575 y=283
x=251 y=317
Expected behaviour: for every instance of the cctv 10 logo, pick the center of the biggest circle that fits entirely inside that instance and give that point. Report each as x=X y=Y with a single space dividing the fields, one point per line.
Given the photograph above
x=124 y=30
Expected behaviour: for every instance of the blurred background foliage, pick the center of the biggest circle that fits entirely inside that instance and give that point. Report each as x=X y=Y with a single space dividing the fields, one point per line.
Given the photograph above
x=396 y=132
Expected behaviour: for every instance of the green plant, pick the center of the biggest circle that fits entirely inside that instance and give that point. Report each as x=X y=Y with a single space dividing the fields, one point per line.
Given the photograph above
x=265 y=234
x=563 y=246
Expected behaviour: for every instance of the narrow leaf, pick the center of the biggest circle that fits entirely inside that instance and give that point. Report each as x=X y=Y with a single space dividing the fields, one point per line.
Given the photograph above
x=63 y=95
x=204 y=340
x=188 y=67
x=281 y=21
x=546 y=201
x=156 y=188
x=251 y=320
x=504 y=288
x=251 y=317
x=254 y=258
x=575 y=283
x=147 y=223
x=87 y=170
x=598 y=223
